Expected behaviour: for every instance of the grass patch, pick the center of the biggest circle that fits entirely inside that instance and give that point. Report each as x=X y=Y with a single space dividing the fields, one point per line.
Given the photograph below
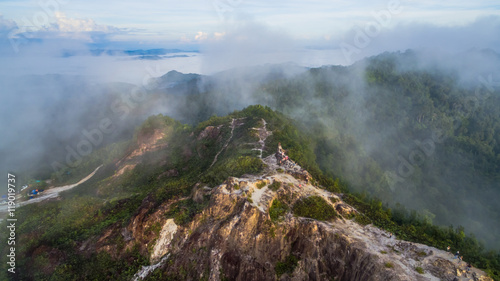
x=286 y=266
x=383 y=252
x=334 y=200
x=362 y=219
x=184 y=211
x=155 y=228
x=419 y=270
x=270 y=228
x=275 y=185
x=422 y=254
x=314 y=207
x=388 y=265
x=261 y=184
x=234 y=167
x=277 y=210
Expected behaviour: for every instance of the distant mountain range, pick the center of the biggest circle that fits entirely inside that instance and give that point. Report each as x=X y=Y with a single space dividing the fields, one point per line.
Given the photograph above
x=142 y=54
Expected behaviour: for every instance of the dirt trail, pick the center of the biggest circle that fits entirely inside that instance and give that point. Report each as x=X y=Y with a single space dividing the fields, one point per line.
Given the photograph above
x=263 y=134
x=50 y=193
x=233 y=125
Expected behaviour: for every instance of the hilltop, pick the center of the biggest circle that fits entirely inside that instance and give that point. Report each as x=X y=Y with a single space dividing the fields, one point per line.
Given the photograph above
x=211 y=202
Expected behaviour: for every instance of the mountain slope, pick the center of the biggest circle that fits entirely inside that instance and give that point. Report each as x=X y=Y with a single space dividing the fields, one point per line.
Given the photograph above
x=211 y=203
x=417 y=131
x=236 y=238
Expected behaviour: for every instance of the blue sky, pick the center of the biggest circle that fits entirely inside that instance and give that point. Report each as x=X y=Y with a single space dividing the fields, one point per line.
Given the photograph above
x=165 y=22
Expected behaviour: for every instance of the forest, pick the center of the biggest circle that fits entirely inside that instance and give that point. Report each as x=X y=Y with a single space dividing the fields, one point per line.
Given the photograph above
x=415 y=147
x=395 y=126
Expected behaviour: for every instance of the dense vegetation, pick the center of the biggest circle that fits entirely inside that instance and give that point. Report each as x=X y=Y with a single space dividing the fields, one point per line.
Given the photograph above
x=410 y=226
x=386 y=126
x=401 y=128
x=105 y=201
x=286 y=266
x=277 y=210
x=314 y=207
x=404 y=135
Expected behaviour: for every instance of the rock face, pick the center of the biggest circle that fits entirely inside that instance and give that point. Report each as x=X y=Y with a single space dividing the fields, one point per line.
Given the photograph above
x=234 y=239
x=162 y=245
x=148 y=142
x=210 y=132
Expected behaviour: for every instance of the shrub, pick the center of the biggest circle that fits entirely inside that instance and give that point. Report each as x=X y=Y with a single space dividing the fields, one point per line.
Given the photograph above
x=184 y=211
x=155 y=228
x=234 y=167
x=419 y=270
x=314 y=207
x=261 y=184
x=422 y=254
x=277 y=210
x=275 y=185
x=389 y=265
x=362 y=219
x=287 y=266
x=334 y=199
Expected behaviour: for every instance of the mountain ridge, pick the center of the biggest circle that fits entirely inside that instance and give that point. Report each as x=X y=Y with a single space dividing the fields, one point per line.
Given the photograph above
x=212 y=203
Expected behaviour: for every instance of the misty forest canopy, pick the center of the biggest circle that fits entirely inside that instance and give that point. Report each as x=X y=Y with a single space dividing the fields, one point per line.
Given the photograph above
x=69 y=244
x=418 y=134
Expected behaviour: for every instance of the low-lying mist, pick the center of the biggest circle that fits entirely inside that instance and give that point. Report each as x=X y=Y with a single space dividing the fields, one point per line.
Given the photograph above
x=419 y=132
x=418 y=129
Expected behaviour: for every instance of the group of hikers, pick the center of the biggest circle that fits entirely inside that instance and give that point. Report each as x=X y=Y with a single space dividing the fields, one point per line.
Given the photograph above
x=280 y=155
x=460 y=259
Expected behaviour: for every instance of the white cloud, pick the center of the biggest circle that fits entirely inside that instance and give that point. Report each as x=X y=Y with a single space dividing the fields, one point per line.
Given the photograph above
x=219 y=35
x=205 y=36
x=81 y=29
x=314 y=19
x=6 y=25
x=247 y=44
x=63 y=27
x=201 y=36
x=65 y=24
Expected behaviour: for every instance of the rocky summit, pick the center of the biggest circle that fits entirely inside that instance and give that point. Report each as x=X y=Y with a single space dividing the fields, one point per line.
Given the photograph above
x=227 y=200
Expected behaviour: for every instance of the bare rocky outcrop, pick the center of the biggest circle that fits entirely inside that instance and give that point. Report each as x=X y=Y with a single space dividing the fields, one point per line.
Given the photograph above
x=148 y=142
x=210 y=132
x=344 y=209
x=234 y=238
x=162 y=245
